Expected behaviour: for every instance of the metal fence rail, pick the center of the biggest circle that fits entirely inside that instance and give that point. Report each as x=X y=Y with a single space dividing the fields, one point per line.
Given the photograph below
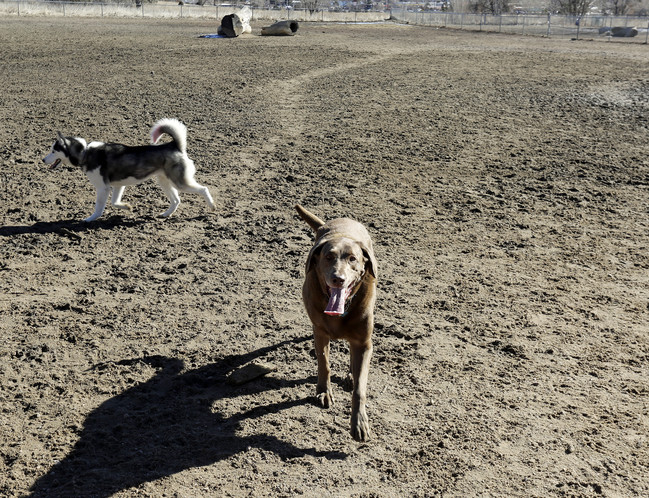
x=536 y=25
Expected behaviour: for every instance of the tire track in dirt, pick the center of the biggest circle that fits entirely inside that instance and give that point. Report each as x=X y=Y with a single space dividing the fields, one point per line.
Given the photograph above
x=289 y=96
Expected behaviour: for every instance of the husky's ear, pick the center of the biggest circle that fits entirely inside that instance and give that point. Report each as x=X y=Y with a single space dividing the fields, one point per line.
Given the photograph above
x=75 y=148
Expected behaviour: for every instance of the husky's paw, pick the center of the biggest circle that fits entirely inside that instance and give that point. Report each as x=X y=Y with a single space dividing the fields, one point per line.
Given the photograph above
x=169 y=212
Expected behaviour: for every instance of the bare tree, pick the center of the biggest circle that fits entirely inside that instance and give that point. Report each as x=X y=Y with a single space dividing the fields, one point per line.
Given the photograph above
x=642 y=8
x=617 y=7
x=312 y=5
x=496 y=7
x=571 y=7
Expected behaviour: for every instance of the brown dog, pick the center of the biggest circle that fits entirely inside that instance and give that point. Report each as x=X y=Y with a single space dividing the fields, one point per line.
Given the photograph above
x=339 y=293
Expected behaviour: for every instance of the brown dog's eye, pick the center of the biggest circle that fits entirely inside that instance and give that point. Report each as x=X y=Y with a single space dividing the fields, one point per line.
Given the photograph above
x=330 y=256
x=352 y=259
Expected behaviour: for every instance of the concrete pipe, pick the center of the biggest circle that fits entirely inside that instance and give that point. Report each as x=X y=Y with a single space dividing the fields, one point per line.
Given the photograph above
x=231 y=26
x=281 y=28
x=624 y=32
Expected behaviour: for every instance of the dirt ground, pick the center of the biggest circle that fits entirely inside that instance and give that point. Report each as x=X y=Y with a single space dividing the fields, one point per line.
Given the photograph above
x=504 y=179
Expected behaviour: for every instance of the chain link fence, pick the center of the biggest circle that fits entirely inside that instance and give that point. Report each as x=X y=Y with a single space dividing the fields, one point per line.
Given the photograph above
x=608 y=28
x=178 y=10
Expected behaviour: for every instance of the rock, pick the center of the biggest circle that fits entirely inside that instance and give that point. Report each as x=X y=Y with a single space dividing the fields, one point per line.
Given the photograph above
x=249 y=372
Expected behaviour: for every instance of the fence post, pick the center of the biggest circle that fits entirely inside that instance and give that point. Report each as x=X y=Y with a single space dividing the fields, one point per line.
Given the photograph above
x=18 y=4
x=646 y=38
x=549 y=24
x=500 y=23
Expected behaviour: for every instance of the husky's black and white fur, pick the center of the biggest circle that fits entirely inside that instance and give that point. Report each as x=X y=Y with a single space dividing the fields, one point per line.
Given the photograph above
x=112 y=165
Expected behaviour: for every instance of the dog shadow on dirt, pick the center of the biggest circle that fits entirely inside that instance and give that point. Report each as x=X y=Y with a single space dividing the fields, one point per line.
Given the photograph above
x=166 y=425
x=72 y=228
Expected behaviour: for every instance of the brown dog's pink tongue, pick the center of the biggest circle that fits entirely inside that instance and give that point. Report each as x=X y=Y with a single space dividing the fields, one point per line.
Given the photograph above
x=336 y=304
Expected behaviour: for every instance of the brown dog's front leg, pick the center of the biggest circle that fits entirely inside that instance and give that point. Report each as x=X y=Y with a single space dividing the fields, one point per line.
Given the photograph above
x=360 y=360
x=323 y=390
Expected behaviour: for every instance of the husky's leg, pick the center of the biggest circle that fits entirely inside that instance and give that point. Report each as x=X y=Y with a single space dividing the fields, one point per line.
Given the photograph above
x=188 y=184
x=196 y=188
x=116 y=199
x=171 y=192
x=100 y=203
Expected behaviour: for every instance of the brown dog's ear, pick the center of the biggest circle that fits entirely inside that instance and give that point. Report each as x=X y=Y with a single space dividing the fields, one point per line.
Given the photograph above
x=368 y=252
x=313 y=254
x=60 y=134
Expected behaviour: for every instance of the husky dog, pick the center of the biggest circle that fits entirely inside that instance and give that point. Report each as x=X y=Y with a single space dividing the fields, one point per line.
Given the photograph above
x=112 y=165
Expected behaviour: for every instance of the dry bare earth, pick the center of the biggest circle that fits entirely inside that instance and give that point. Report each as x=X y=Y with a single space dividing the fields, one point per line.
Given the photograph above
x=505 y=181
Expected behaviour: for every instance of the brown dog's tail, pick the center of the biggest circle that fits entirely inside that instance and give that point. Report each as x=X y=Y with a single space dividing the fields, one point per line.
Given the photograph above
x=312 y=220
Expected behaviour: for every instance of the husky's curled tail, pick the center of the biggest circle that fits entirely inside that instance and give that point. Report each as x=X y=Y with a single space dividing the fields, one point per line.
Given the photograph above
x=172 y=127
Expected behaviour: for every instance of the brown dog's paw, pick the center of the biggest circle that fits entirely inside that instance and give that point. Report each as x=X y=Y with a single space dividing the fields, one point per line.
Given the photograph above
x=360 y=427
x=325 y=400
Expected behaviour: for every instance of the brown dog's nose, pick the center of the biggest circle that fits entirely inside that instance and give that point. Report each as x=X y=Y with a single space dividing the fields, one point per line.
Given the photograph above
x=337 y=280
